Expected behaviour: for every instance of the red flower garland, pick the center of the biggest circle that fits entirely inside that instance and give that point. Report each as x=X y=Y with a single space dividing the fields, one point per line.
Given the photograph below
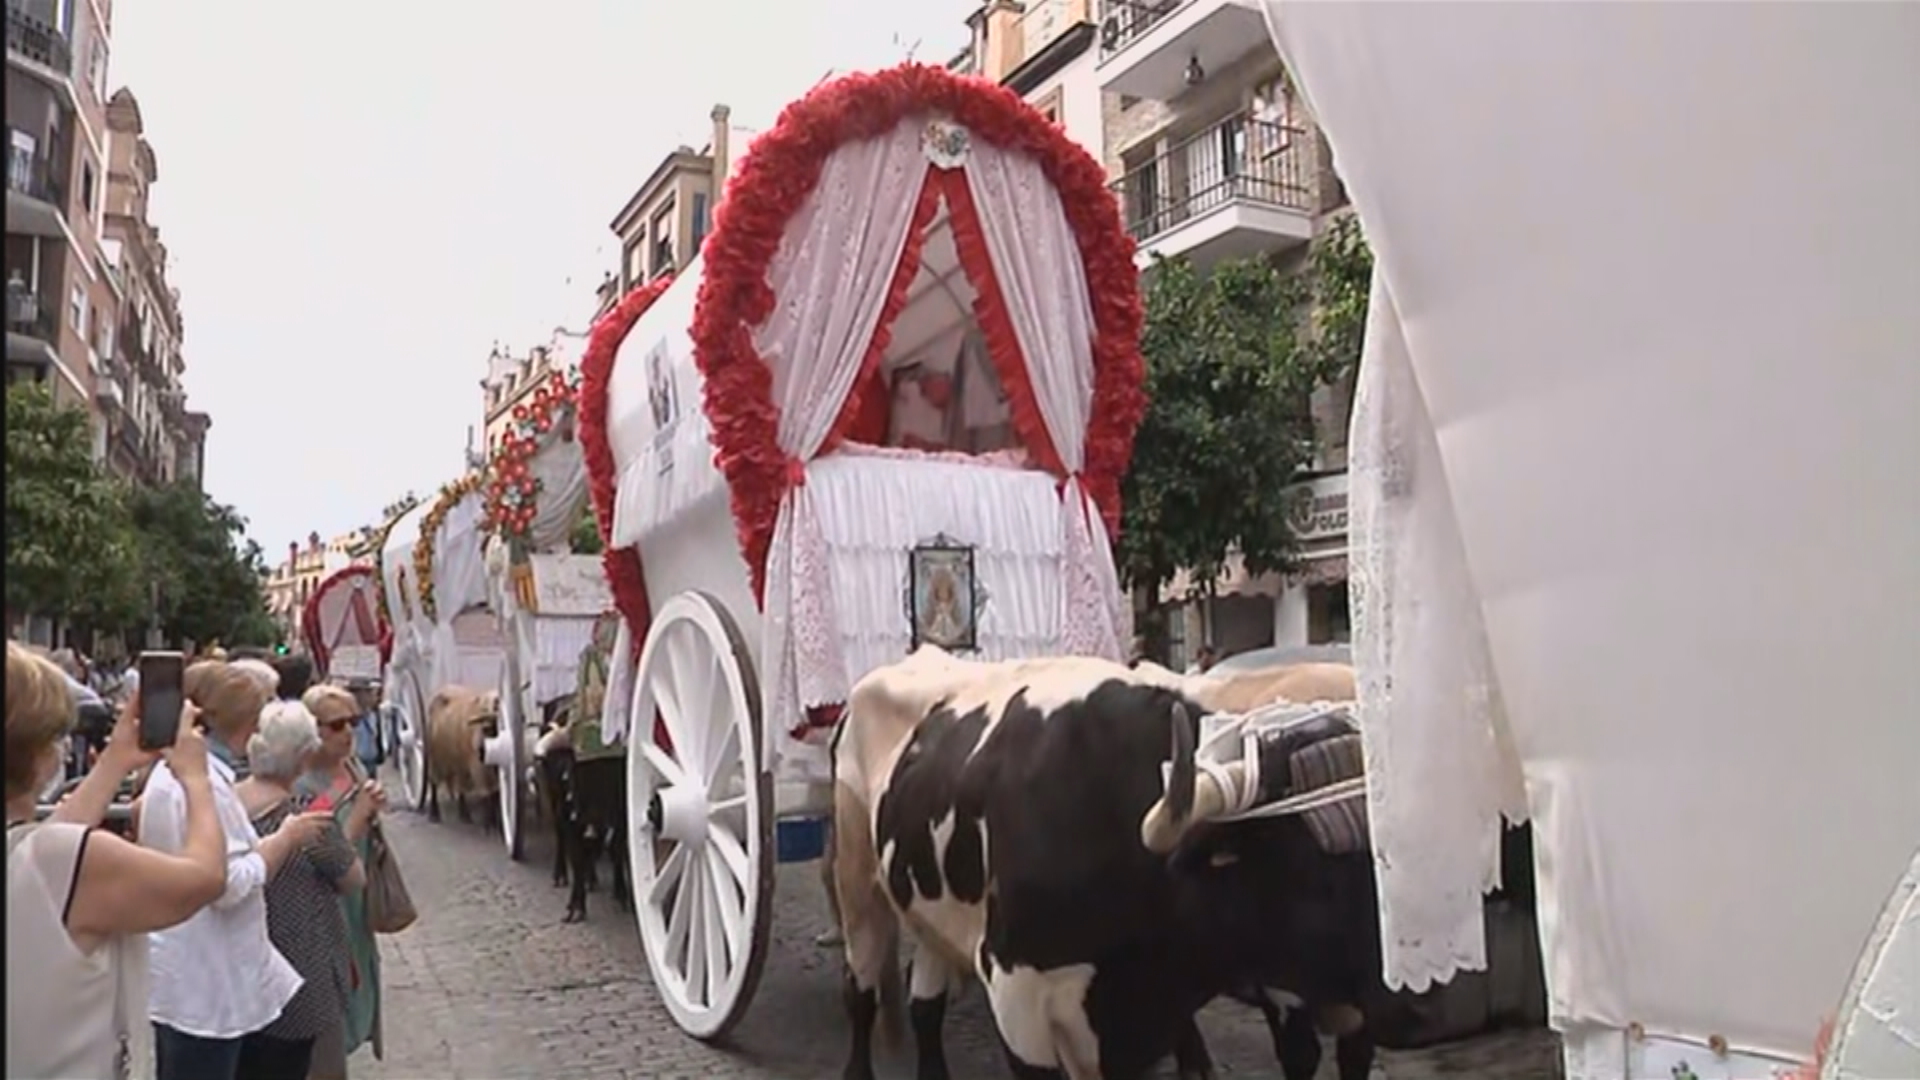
x=310 y=615
x=775 y=179
x=625 y=574
x=512 y=490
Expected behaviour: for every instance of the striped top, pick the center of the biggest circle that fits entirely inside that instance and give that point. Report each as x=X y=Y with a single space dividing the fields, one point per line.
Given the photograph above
x=306 y=925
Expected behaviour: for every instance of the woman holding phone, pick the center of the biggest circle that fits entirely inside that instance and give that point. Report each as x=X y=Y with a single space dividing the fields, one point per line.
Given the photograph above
x=217 y=977
x=80 y=900
x=338 y=784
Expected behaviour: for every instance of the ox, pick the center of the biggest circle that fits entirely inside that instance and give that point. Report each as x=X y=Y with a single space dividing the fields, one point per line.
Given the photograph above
x=998 y=810
x=588 y=801
x=459 y=721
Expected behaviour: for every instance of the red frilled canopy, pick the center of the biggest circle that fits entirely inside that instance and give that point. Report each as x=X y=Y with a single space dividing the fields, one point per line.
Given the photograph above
x=775 y=179
x=358 y=617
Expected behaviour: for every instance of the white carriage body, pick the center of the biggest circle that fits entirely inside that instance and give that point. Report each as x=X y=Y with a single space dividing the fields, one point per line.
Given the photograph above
x=873 y=504
x=412 y=653
x=1663 y=261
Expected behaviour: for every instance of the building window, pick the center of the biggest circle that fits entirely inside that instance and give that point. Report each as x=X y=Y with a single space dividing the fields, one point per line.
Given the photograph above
x=1327 y=620
x=1051 y=105
x=79 y=304
x=636 y=264
x=701 y=221
x=20 y=149
x=662 y=234
x=86 y=187
x=97 y=68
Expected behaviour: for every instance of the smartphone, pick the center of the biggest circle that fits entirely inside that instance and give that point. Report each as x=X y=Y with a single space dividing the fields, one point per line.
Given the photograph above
x=161 y=698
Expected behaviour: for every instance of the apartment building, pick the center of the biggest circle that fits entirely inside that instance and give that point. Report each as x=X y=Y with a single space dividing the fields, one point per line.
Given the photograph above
x=62 y=301
x=1215 y=157
x=152 y=437
x=513 y=379
x=290 y=583
x=664 y=222
x=1043 y=50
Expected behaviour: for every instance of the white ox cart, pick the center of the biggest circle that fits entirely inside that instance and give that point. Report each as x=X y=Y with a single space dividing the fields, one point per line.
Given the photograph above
x=890 y=404
x=343 y=628
x=1634 y=512
x=435 y=587
x=546 y=598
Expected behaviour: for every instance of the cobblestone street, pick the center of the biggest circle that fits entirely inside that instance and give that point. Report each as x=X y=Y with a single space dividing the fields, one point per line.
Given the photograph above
x=490 y=985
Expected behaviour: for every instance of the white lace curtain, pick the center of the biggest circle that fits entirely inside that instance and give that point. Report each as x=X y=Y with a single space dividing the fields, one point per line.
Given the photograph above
x=1037 y=261
x=831 y=276
x=1429 y=706
x=561 y=468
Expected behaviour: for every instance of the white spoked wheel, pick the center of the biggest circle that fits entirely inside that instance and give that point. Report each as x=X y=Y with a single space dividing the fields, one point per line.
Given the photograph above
x=506 y=753
x=410 y=740
x=701 y=809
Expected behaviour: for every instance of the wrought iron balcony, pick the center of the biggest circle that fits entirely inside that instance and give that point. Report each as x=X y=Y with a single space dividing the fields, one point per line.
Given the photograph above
x=1124 y=20
x=33 y=38
x=26 y=314
x=1237 y=160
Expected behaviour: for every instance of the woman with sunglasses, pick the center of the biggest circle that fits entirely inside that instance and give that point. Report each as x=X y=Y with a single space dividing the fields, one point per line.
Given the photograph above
x=338 y=783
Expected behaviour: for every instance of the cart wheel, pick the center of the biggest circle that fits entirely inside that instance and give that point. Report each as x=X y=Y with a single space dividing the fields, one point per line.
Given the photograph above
x=507 y=752
x=701 y=814
x=410 y=740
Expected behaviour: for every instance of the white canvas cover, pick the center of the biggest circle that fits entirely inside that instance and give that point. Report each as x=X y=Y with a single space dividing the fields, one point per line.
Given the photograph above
x=411 y=636
x=1646 y=269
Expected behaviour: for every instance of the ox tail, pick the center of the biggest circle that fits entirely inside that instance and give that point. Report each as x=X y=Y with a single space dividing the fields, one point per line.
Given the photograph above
x=1182 y=776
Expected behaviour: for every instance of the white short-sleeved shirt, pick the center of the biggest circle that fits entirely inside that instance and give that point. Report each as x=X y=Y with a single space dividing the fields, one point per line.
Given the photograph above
x=217 y=975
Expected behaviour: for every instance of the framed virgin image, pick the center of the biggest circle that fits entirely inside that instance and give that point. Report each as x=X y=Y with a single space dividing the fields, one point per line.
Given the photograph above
x=942 y=596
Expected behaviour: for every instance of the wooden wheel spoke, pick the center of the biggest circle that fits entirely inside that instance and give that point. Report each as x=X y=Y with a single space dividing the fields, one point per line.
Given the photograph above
x=681 y=916
x=722 y=840
x=657 y=758
x=697 y=933
x=717 y=931
x=729 y=908
x=730 y=803
x=668 y=875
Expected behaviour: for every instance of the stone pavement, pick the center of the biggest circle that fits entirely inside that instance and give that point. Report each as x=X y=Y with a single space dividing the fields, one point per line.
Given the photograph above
x=490 y=985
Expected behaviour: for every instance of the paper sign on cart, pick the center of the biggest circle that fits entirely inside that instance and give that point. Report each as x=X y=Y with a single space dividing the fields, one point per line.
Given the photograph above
x=354 y=662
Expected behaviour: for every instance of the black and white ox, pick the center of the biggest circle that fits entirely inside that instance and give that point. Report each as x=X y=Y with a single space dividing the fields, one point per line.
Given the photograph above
x=1013 y=816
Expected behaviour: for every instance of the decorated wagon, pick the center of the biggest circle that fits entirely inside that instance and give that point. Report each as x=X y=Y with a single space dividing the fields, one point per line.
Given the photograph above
x=434 y=586
x=343 y=627
x=1633 y=517
x=546 y=598
x=890 y=404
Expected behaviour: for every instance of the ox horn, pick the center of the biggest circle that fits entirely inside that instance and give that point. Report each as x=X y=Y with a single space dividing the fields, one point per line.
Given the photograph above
x=1191 y=797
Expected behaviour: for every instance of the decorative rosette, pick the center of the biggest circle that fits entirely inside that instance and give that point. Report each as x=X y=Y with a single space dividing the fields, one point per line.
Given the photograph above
x=513 y=492
x=450 y=496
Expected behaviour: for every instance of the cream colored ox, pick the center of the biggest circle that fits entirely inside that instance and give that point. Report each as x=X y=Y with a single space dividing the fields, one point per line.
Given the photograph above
x=459 y=720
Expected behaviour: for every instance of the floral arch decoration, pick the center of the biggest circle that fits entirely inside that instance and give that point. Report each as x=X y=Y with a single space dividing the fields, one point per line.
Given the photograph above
x=436 y=515
x=776 y=177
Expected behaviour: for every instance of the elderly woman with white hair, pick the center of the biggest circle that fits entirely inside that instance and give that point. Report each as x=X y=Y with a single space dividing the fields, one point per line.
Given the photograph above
x=304 y=917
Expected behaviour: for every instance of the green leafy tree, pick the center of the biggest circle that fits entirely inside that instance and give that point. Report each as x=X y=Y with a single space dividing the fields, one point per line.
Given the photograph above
x=1341 y=278
x=206 y=574
x=70 y=550
x=1228 y=424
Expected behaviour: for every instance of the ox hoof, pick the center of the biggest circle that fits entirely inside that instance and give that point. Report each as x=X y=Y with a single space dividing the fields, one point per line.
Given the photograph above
x=573 y=916
x=559 y=881
x=829 y=939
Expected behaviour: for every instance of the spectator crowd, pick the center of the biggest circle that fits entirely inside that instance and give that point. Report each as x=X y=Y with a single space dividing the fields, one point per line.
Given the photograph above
x=225 y=926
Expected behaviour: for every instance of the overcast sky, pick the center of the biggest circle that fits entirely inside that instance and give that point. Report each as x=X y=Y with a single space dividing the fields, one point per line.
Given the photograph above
x=360 y=197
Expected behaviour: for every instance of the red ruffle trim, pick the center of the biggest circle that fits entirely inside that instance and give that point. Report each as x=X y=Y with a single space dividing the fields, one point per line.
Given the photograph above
x=310 y=617
x=774 y=181
x=626 y=578
x=996 y=325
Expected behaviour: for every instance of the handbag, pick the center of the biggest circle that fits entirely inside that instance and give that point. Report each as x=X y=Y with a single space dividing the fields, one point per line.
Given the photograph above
x=389 y=905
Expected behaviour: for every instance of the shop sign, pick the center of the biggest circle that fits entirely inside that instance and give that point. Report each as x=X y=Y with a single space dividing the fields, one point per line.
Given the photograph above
x=1317 y=509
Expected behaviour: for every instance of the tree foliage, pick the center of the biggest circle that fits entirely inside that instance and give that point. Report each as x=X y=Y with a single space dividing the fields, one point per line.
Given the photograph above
x=206 y=574
x=70 y=546
x=85 y=548
x=1233 y=358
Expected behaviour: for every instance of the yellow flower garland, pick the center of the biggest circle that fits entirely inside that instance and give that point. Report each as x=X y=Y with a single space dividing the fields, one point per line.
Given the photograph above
x=443 y=505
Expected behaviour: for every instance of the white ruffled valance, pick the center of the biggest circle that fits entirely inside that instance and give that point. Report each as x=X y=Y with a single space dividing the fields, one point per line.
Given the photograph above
x=874 y=509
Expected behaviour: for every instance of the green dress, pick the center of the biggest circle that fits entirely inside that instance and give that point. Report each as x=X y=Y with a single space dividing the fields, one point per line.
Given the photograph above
x=363 y=999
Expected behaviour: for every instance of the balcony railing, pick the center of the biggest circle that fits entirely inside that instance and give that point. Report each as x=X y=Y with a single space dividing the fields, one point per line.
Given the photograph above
x=1122 y=21
x=34 y=176
x=1239 y=159
x=35 y=39
x=26 y=314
